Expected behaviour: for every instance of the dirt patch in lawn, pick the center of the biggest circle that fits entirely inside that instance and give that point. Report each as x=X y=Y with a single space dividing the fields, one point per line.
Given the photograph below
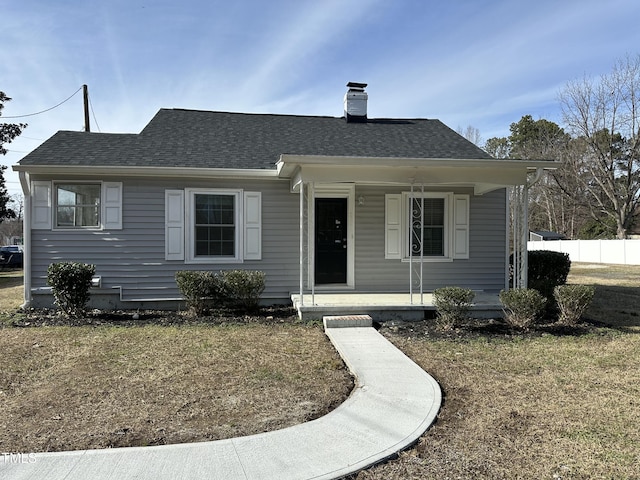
x=108 y=380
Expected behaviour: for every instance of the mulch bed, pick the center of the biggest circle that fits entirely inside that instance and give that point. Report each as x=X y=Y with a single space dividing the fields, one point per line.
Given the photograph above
x=131 y=318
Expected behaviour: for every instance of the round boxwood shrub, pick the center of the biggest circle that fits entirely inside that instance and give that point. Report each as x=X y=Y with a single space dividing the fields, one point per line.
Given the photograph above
x=70 y=283
x=522 y=306
x=572 y=301
x=452 y=305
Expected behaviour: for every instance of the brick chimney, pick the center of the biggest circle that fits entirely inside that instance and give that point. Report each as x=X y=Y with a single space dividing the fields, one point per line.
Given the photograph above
x=355 y=103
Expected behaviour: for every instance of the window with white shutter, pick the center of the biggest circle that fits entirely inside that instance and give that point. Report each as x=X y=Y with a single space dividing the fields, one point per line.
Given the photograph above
x=433 y=226
x=213 y=225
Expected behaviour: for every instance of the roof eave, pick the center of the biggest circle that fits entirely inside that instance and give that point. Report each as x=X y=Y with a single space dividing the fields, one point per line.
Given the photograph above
x=137 y=171
x=287 y=163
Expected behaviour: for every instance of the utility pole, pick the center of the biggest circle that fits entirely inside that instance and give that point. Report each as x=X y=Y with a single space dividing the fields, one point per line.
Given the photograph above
x=85 y=92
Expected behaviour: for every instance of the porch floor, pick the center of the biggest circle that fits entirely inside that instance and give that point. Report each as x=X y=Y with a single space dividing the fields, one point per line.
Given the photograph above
x=385 y=306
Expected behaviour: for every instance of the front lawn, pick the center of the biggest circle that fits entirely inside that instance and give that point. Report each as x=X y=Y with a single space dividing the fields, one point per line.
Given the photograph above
x=556 y=404
x=65 y=388
x=550 y=403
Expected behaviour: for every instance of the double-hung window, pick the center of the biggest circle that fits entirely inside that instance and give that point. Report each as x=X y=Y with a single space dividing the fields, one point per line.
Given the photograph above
x=210 y=225
x=428 y=227
x=433 y=226
x=215 y=225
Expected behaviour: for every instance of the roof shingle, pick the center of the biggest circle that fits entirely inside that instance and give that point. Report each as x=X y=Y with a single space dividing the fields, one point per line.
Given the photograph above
x=203 y=139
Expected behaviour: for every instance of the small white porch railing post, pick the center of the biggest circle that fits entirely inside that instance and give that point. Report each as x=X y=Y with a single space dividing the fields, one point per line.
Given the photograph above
x=422 y=246
x=416 y=220
x=411 y=245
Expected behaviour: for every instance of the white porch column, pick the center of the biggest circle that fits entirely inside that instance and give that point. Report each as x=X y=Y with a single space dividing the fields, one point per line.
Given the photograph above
x=311 y=236
x=520 y=232
x=525 y=234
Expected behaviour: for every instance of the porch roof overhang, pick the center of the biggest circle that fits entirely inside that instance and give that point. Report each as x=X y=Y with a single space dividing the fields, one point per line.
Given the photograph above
x=482 y=174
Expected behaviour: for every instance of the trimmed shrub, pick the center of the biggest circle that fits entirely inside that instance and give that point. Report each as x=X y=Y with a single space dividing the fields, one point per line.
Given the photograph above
x=572 y=301
x=70 y=283
x=241 y=289
x=547 y=270
x=452 y=305
x=200 y=289
x=522 y=306
x=237 y=289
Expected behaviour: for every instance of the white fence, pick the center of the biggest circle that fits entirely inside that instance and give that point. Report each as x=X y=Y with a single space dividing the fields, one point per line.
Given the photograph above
x=625 y=252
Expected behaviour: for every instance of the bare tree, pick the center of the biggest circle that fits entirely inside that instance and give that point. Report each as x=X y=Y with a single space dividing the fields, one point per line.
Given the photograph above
x=605 y=114
x=470 y=133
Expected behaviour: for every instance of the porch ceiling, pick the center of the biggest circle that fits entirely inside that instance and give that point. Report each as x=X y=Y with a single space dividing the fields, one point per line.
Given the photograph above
x=482 y=175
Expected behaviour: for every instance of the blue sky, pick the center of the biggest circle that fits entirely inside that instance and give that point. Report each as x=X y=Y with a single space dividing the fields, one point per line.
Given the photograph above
x=483 y=63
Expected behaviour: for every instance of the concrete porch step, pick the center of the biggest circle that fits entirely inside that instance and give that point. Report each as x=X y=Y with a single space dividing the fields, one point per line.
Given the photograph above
x=342 y=321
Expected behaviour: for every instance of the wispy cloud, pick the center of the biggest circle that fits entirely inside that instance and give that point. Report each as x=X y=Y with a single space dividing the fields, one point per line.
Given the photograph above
x=466 y=62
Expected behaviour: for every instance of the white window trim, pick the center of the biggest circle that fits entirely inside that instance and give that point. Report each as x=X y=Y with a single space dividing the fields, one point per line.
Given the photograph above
x=448 y=227
x=72 y=228
x=397 y=226
x=190 y=257
x=44 y=206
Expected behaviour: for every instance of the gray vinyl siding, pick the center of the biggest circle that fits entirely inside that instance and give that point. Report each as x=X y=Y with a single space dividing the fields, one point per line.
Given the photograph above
x=133 y=259
x=484 y=270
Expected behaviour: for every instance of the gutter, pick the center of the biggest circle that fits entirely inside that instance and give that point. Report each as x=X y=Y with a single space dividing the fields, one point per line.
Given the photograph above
x=137 y=171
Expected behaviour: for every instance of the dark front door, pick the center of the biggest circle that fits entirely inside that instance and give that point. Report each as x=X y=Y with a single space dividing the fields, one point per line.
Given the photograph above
x=331 y=240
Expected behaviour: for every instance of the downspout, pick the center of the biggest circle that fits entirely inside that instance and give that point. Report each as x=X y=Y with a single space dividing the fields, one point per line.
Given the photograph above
x=538 y=176
x=301 y=243
x=26 y=238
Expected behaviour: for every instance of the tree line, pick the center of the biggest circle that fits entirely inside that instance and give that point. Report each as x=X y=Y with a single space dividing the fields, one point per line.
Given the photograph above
x=595 y=191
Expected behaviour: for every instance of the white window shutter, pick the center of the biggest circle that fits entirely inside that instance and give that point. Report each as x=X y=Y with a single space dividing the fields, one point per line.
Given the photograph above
x=461 y=226
x=174 y=224
x=41 y=205
x=112 y=205
x=393 y=226
x=252 y=225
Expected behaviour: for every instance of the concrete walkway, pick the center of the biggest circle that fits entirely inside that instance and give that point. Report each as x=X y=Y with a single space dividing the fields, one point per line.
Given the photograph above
x=393 y=404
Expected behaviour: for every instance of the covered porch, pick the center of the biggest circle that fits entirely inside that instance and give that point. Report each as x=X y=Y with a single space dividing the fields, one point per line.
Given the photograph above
x=385 y=306
x=384 y=197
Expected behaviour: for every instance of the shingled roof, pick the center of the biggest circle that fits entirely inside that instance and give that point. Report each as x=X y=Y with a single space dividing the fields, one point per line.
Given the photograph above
x=204 y=139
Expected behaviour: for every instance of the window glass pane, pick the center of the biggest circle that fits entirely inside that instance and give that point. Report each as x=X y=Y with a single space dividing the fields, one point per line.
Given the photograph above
x=65 y=216
x=215 y=230
x=78 y=205
x=427 y=213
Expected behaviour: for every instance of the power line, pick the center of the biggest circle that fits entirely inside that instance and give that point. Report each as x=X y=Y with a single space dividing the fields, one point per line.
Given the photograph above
x=48 y=109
